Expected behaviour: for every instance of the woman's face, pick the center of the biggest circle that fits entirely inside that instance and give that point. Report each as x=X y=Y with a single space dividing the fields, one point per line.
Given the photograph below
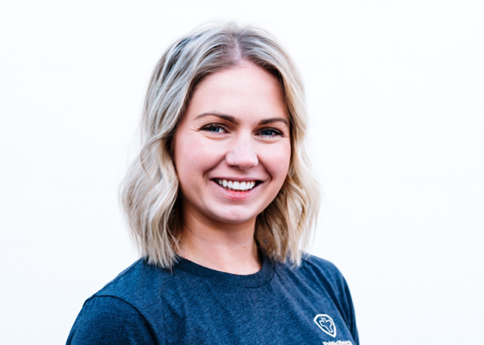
x=232 y=148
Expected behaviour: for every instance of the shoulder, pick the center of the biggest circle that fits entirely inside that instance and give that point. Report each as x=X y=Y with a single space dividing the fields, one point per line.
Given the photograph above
x=139 y=276
x=318 y=264
x=317 y=274
x=141 y=285
x=110 y=320
x=314 y=269
x=324 y=272
x=125 y=311
x=321 y=268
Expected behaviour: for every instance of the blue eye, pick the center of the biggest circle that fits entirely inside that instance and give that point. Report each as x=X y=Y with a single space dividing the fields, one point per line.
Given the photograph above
x=270 y=132
x=214 y=128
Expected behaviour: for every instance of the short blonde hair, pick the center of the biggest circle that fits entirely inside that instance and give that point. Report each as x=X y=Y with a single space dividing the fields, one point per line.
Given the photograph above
x=150 y=191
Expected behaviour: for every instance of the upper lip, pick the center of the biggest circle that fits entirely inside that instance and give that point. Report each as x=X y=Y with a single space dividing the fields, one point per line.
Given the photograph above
x=239 y=179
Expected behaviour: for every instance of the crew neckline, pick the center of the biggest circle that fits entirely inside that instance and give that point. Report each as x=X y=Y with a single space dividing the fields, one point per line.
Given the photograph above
x=262 y=277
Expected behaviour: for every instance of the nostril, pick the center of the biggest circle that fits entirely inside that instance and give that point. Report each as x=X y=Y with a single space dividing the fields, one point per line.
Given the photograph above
x=243 y=159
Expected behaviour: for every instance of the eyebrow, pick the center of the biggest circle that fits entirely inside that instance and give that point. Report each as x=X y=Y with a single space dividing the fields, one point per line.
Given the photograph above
x=234 y=120
x=274 y=119
x=222 y=116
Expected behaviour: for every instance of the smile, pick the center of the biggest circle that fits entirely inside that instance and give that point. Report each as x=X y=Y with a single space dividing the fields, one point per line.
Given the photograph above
x=236 y=185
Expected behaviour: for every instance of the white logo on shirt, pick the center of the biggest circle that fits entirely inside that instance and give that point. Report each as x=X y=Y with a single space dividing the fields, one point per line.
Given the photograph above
x=326 y=324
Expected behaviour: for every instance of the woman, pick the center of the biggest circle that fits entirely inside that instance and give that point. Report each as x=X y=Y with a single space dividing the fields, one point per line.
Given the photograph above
x=220 y=203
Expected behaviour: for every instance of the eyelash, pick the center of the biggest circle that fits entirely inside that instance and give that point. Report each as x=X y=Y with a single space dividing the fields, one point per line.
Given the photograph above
x=276 y=132
x=210 y=127
x=217 y=126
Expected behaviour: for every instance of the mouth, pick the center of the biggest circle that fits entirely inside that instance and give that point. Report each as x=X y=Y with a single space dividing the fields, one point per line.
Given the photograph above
x=238 y=186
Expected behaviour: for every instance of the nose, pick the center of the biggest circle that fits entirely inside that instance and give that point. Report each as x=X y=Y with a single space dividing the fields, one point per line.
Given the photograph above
x=242 y=154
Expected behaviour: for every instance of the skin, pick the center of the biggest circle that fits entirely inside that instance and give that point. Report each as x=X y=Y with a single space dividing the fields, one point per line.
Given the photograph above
x=236 y=128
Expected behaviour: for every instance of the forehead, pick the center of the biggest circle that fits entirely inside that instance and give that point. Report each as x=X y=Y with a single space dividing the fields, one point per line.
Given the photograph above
x=243 y=90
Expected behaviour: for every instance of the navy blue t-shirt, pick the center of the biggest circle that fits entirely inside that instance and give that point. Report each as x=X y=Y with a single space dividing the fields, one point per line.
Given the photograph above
x=191 y=304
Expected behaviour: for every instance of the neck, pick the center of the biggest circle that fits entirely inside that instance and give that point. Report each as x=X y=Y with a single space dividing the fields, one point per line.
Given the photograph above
x=229 y=248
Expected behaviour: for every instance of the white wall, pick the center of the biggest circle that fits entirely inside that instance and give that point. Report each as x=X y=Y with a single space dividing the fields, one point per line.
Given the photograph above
x=395 y=91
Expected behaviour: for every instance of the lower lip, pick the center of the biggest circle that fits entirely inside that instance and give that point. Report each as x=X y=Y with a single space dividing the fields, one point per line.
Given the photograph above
x=234 y=194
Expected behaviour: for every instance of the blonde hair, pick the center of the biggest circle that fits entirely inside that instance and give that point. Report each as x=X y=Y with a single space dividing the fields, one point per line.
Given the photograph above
x=150 y=190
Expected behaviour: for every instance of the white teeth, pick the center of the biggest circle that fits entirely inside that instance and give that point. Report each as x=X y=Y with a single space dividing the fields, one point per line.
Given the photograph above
x=236 y=185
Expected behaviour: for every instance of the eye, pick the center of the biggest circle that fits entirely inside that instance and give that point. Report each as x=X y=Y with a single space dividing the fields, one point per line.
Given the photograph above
x=214 y=128
x=270 y=132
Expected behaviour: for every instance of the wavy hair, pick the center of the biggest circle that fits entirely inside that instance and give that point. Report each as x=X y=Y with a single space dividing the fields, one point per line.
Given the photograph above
x=150 y=193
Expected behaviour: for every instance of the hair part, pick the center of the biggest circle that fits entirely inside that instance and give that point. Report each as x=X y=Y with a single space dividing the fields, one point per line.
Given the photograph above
x=150 y=193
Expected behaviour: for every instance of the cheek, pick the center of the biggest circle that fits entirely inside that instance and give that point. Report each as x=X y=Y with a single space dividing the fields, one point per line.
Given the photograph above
x=277 y=160
x=193 y=157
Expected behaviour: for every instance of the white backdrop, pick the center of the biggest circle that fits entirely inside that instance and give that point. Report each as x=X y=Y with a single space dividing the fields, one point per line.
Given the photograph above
x=395 y=93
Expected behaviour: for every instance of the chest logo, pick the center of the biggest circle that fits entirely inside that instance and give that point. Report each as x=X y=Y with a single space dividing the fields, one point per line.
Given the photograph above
x=326 y=324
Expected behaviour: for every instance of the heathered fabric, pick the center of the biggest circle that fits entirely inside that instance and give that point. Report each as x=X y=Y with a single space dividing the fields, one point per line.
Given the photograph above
x=192 y=304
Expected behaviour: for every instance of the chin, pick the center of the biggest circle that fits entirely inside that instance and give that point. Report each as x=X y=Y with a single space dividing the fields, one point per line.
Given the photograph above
x=235 y=218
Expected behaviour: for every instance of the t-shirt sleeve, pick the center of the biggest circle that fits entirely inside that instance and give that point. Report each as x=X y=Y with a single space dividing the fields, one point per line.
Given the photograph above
x=343 y=300
x=110 y=320
x=329 y=275
x=350 y=312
